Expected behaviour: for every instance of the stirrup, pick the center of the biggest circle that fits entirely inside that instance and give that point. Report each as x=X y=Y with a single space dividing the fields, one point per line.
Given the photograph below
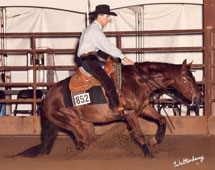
x=122 y=111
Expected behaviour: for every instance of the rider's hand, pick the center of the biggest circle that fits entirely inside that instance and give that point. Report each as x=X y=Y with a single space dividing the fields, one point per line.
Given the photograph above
x=128 y=61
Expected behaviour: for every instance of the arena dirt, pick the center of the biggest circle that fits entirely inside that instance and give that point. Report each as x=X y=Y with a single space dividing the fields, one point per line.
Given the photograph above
x=114 y=150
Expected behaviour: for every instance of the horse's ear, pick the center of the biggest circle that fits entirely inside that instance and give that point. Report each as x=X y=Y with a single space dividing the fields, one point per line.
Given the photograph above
x=184 y=64
x=190 y=64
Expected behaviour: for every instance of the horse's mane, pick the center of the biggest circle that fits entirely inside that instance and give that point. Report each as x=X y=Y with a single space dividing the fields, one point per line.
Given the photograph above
x=155 y=67
x=158 y=65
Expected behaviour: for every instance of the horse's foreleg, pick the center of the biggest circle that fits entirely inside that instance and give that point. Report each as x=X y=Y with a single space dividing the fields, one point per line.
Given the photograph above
x=138 y=134
x=152 y=113
x=90 y=130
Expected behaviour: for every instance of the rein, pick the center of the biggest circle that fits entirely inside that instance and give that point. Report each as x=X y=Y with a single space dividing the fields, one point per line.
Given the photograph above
x=139 y=71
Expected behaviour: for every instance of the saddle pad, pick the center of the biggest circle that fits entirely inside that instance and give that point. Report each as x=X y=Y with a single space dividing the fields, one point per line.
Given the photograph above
x=96 y=95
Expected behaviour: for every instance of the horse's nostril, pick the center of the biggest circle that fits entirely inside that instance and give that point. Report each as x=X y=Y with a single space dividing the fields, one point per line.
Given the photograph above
x=201 y=102
x=195 y=100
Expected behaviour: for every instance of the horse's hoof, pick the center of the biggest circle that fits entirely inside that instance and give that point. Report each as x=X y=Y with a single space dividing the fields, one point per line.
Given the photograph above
x=160 y=133
x=146 y=151
x=81 y=146
x=149 y=155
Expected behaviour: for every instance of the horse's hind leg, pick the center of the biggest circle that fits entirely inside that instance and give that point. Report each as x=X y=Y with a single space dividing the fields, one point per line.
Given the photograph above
x=69 y=119
x=152 y=113
x=138 y=134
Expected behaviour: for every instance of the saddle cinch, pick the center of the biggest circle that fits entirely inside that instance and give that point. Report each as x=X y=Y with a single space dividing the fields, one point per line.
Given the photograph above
x=83 y=81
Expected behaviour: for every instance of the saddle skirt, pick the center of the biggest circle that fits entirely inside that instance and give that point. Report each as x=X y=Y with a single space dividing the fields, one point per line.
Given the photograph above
x=83 y=81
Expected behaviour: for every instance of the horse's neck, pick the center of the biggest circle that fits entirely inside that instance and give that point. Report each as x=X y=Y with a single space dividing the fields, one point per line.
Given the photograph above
x=137 y=88
x=163 y=77
x=154 y=76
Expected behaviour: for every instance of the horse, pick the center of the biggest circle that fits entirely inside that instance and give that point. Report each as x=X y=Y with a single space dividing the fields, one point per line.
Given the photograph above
x=138 y=83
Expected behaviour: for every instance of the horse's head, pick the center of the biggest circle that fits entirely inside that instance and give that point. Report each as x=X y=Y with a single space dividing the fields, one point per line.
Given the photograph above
x=186 y=85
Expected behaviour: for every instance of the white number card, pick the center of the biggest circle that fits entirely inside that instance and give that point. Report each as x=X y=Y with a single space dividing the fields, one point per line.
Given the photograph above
x=81 y=99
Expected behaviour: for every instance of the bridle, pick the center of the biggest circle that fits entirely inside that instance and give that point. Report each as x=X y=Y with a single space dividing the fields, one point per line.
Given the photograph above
x=140 y=72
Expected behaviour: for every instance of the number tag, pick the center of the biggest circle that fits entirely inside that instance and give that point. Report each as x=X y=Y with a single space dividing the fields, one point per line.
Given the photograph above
x=81 y=99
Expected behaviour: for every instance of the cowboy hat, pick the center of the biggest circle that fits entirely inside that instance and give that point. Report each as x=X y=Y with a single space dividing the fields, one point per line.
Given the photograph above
x=102 y=9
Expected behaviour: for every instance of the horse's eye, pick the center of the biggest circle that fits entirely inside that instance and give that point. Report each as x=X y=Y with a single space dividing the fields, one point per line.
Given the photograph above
x=189 y=79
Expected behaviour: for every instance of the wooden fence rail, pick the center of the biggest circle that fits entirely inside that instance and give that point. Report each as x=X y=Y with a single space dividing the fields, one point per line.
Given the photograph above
x=205 y=48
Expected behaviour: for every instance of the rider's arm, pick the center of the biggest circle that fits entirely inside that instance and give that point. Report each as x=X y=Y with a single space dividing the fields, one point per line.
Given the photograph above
x=102 y=43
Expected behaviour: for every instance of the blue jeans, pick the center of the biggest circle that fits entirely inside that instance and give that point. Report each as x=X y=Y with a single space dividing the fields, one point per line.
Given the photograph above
x=92 y=65
x=101 y=63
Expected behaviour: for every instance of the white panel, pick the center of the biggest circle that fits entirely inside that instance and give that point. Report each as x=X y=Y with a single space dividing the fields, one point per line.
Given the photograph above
x=82 y=5
x=173 y=17
x=71 y=5
x=43 y=20
x=126 y=3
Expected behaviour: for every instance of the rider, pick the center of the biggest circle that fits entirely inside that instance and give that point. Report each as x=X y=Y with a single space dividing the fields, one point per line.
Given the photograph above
x=91 y=41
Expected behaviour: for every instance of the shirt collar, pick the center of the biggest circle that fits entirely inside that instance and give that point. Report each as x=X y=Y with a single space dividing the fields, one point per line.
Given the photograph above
x=97 y=23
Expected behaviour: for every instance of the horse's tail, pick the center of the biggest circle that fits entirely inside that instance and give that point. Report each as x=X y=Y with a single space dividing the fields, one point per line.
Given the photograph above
x=48 y=136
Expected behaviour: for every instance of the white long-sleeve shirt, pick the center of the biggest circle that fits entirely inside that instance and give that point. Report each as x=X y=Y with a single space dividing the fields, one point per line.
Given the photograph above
x=93 y=39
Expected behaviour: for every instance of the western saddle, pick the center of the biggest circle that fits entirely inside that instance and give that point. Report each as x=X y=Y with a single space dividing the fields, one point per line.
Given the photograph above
x=82 y=81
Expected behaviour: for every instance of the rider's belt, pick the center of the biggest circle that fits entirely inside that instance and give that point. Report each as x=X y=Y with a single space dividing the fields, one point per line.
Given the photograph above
x=87 y=54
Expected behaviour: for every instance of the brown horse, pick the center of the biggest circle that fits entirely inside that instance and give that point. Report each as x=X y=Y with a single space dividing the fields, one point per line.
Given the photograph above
x=138 y=82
